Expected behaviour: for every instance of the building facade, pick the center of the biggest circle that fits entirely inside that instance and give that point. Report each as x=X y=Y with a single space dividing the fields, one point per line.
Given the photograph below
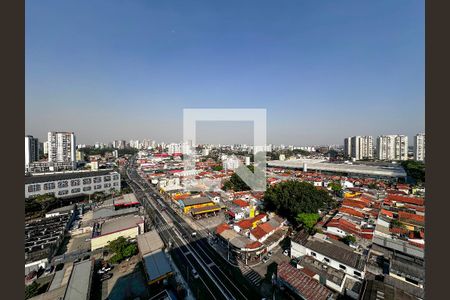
x=361 y=147
x=61 y=147
x=419 y=147
x=71 y=184
x=31 y=150
x=392 y=147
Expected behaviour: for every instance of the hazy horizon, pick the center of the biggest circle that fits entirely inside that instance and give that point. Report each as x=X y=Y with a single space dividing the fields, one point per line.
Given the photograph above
x=324 y=70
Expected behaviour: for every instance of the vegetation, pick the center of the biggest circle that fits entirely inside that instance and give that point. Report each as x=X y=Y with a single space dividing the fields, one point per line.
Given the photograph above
x=396 y=223
x=40 y=204
x=103 y=151
x=348 y=239
x=31 y=290
x=415 y=170
x=336 y=187
x=291 y=198
x=217 y=168
x=122 y=249
x=235 y=182
x=308 y=220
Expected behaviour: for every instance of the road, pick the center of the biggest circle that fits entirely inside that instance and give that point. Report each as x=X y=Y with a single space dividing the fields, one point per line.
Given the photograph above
x=217 y=280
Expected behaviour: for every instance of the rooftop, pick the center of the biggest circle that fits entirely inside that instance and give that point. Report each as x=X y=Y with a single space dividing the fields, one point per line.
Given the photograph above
x=120 y=224
x=195 y=201
x=306 y=286
x=80 y=281
x=323 y=165
x=149 y=242
x=156 y=265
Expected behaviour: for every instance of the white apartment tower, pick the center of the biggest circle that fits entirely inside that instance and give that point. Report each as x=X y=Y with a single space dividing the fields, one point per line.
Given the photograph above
x=61 y=147
x=31 y=150
x=392 y=147
x=419 y=147
x=359 y=147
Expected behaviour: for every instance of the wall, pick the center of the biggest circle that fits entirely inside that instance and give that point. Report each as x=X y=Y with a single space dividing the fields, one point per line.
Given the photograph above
x=102 y=241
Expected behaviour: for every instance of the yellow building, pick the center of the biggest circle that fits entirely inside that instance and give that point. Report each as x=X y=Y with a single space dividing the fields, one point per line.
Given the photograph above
x=198 y=202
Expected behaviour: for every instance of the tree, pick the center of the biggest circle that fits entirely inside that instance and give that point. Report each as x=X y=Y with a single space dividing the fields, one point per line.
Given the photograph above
x=415 y=170
x=336 y=187
x=348 y=239
x=236 y=183
x=217 y=168
x=122 y=249
x=31 y=290
x=291 y=198
x=308 y=220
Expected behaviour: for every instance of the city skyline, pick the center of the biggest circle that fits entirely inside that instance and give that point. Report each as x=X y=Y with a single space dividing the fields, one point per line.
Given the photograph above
x=324 y=71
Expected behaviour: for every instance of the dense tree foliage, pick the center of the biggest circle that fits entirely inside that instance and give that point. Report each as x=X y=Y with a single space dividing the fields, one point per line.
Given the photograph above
x=415 y=170
x=236 y=184
x=31 y=290
x=308 y=220
x=122 y=249
x=348 y=239
x=291 y=198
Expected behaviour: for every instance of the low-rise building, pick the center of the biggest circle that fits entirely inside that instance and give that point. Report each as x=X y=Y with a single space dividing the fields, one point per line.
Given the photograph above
x=107 y=231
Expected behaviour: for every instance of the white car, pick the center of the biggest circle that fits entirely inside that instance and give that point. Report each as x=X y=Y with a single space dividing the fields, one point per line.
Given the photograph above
x=286 y=252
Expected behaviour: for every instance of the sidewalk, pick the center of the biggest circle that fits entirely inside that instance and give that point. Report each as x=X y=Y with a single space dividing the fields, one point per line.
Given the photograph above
x=179 y=278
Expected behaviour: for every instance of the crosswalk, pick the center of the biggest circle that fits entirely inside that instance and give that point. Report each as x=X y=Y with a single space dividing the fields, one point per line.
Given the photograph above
x=252 y=276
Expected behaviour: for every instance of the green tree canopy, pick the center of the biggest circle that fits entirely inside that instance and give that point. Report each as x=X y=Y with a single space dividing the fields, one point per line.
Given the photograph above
x=349 y=239
x=308 y=220
x=235 y=182
x=291 y=198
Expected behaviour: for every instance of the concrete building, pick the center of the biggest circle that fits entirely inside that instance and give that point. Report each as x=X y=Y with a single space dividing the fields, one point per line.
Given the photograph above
x=359 y=147
x=67 y=184
x=348 y=146
x=31 y=150
x=419 y=147
x=127 y=226
x=61 y=147
x=392 y=147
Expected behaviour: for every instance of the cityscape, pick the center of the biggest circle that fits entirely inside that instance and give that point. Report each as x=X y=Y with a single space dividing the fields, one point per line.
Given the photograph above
x=121 y=203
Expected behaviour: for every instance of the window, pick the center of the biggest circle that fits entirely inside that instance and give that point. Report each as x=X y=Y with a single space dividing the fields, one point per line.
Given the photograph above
x=313 y=254
x=87 y=188
x=49 y=186
x=326 y=259
x=342 y=267
x=107 y=185
x=357 y=273
x=107 y=178
x=76 y=190
x=87 y=181
x=115 y=184
x=63 y=192
x=34 y=188
x=116 y=177
x=75 y=182
x=63 y=184
x=97 y=187
x=97 y=179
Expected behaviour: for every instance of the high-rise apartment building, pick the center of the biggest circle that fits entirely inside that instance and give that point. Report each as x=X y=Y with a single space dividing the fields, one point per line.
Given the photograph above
x=31 y=150
x=359 y=147
x=392 y=147
x=419 y=147
x=61 y=147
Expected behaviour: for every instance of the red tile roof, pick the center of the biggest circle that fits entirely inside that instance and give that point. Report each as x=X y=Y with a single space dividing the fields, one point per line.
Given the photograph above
x=405 y=199
x=353 y=203
x=258 y=232
x=351 y=211
x=309 y=288
x=408 y=216
x=241 y=203
x=221 y=228
x=266 y=227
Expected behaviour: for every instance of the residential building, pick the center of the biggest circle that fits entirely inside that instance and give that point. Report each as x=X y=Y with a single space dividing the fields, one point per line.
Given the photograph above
x=419 y=147
x=392 y=147
x=31 y=150
x=348 y=146
x=359 y=147
x=61 y=147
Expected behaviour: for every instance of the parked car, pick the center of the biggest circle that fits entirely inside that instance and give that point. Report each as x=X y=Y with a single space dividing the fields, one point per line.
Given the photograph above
x=265 y=259
x=49 y=270
x=194 y=234
x=195 y=274
x=286 y=252
x=269 y=254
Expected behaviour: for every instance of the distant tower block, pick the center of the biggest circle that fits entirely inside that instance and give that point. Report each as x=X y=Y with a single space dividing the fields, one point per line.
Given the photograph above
x=305 y=167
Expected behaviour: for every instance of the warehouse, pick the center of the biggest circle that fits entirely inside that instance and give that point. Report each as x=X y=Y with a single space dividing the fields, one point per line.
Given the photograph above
x=127 y=226
x=194 y=202
x=156 y=264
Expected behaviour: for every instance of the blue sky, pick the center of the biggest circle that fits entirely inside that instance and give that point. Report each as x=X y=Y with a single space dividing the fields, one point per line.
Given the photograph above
x=324 y=70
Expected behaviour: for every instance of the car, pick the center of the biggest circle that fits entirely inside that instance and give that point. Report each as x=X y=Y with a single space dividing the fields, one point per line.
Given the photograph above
x=265 y=259
x=269 y=254
x=286 y=252
x=49 y=270
x=194 y=234
x=195 y=274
